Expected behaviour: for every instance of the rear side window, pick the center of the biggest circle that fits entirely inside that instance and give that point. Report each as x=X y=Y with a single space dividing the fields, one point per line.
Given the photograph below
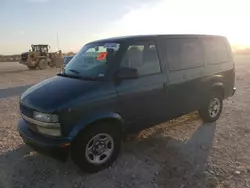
x=184 y=53
x=215 y=50
x=144 y=57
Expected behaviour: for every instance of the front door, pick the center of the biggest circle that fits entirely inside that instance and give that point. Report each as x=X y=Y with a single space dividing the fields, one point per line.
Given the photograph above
x=141 y=101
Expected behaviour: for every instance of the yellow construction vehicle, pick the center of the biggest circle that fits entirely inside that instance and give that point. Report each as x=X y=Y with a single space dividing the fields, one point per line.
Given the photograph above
x=39 y=57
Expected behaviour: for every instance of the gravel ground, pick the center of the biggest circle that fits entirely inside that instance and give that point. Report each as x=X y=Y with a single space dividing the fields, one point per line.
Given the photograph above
x=180 y=153
x=13 y=74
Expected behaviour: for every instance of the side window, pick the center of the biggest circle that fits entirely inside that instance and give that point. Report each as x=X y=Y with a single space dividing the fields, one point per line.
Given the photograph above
x=184 y=53
x=215 y=50
x=143 y=57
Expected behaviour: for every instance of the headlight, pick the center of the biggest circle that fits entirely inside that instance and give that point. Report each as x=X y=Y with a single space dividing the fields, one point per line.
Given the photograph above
x=49 y=118
x=47 y=123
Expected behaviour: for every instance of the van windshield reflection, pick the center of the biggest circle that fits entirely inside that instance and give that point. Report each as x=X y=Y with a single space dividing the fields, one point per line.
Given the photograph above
x=92 y=60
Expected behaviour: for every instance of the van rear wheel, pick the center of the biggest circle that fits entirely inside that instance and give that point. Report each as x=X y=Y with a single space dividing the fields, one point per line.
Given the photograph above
x=212 y=109
x=97 y=147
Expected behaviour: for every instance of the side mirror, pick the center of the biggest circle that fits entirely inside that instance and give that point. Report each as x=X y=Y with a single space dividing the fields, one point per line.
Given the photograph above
x=127 y=73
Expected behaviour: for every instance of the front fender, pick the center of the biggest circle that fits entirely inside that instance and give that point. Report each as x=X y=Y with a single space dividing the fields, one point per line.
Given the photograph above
x=81 y=125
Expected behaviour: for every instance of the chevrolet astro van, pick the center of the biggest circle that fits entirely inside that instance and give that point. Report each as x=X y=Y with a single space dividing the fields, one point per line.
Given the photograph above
x=117 y=86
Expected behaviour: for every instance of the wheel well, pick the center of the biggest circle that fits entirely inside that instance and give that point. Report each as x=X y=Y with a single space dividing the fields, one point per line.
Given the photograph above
x=220 y=90
x=115 y=123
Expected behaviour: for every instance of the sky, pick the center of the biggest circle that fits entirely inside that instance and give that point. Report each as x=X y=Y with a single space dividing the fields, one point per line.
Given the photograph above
x=76 y=22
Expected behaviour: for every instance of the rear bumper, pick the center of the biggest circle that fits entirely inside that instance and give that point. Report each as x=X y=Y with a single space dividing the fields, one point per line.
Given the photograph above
x=57 y=148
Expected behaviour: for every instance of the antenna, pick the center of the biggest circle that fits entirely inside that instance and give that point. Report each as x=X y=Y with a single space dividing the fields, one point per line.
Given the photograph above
x=57 y=41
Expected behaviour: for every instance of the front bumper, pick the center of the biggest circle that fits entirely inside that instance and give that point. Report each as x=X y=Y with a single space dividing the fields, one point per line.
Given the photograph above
x=57 y=148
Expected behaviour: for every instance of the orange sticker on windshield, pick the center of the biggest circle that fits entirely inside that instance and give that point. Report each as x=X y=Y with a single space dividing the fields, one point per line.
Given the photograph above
x=102 y=56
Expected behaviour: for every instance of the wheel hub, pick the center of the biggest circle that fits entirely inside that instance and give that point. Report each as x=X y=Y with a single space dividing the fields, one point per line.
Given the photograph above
x=99 y=148
x=214 y=107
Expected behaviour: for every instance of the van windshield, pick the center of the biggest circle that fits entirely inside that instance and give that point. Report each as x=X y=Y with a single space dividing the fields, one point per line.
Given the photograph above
x=92 y=60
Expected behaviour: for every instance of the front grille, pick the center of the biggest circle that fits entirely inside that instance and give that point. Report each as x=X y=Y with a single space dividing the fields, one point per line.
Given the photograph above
x=26 y=111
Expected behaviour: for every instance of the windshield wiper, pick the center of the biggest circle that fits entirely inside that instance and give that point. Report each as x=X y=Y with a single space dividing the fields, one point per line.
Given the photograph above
x=82 y=76
x=67 y=75
x=77 y=76
x=75 y=71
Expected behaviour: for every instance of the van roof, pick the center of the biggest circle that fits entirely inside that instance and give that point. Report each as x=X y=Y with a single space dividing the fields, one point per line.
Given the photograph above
x=134 y=37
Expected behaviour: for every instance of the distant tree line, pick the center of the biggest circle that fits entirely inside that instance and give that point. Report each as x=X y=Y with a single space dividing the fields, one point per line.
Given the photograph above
x=18 y=55
x=69 y=54
x=9 y=56
x=245 y=51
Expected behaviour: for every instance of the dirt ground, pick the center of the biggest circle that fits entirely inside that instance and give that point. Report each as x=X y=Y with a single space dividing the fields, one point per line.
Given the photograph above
x=13 y=74
x=178 y=154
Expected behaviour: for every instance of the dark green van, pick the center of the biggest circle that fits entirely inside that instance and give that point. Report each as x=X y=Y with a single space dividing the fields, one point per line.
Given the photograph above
x=117 y=86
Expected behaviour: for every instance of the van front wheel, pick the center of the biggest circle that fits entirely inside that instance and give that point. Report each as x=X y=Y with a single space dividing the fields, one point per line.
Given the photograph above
x=96 y=148
x=211 y=111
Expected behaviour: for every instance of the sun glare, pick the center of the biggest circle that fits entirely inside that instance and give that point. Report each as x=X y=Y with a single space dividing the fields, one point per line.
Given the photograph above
x=226 y=17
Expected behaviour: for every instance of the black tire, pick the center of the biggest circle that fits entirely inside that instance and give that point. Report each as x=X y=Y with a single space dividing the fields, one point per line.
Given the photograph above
x=78 y=150
x=204 y=112
x=43 y=64
x=52 y=65
x=31 y=68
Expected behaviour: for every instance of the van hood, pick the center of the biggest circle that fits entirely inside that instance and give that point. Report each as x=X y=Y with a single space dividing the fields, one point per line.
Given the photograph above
x=53 y=94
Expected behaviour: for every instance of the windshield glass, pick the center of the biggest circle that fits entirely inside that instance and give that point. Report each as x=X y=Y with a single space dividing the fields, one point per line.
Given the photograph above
x=92 y=60
x=35 y=48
